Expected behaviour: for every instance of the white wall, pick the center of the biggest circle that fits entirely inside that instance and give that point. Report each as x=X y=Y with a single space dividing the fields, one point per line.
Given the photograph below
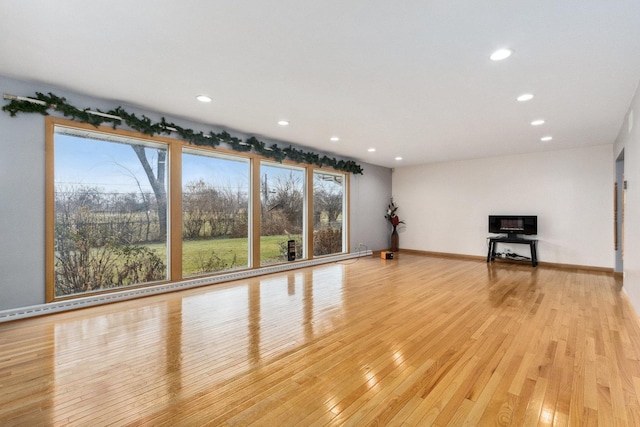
x=446 y=205
x=629 y=140
x=22 y=195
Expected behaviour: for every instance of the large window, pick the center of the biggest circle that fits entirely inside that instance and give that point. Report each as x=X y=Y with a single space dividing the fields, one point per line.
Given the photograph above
x=125 y=209
x=215 y=213
x=110 y=204
x=282 y=200
x=328 y=213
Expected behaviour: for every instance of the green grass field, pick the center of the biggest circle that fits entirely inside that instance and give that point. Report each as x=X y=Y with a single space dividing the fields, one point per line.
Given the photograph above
x=202 y=256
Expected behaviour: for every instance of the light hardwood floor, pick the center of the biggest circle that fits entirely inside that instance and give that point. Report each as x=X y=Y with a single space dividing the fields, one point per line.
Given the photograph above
x=415 y=341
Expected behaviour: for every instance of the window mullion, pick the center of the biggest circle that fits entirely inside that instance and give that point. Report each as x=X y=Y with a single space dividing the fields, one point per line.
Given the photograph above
x=309 y=217
x=255 y=213
x=175 y=202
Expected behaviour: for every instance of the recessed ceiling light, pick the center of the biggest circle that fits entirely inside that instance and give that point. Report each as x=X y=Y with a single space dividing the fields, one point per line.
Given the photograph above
x=537 y=122
x=283 y=122
x=204 y=98
x=546 y=138
x=398 y=158
x=525 y=97
x=334 y=139
x=501 y=54
x=371 y=150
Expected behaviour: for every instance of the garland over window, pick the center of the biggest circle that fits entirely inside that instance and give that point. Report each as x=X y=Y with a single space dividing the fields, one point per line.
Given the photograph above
x=42 y=103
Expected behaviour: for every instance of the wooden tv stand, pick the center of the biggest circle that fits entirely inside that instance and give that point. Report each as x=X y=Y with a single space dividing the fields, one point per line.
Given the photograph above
x=493 y=242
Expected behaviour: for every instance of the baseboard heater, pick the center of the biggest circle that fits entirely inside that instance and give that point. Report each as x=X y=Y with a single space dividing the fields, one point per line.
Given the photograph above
x=90 y=301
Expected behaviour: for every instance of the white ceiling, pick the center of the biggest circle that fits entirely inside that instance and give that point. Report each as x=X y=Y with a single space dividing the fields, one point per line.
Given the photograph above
x=410 y=78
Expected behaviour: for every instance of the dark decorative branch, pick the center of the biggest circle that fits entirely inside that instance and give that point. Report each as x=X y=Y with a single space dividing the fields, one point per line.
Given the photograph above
x=145 y=125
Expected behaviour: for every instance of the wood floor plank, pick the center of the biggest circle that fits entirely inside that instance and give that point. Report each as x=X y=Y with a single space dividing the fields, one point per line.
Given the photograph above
x=410 y=342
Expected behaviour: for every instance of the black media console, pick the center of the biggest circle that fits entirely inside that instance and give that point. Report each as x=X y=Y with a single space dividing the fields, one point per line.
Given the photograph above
x=493 y=241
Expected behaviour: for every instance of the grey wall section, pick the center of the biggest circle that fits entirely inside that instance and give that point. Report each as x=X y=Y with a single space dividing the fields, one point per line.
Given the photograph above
x=370 y=195
x=21 y=206
x=22 y=194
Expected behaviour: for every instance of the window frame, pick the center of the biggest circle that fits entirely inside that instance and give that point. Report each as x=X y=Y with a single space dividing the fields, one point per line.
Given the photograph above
x=175 y=148
x=305 y=206
x=344 y=228
x=217 y=155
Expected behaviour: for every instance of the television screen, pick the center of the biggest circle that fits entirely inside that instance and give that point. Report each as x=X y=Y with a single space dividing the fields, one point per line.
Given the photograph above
x=513 y=224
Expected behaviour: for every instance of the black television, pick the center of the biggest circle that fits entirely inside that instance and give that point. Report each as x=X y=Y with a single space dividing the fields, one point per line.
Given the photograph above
x=513 y=225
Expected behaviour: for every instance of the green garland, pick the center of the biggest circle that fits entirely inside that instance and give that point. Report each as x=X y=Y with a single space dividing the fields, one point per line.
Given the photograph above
x=146 y=126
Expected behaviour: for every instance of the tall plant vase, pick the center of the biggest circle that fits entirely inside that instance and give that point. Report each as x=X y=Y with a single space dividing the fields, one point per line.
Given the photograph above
x=394 y=240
